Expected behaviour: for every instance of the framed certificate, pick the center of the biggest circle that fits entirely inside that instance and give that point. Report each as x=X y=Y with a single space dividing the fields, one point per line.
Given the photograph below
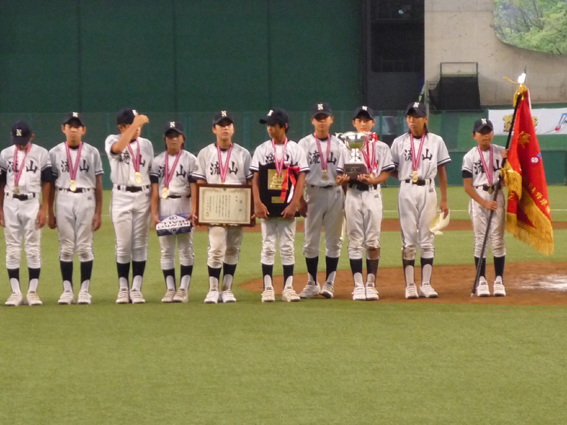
x=224 y=205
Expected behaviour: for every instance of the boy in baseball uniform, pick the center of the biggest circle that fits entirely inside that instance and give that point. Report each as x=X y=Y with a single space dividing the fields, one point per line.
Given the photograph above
x=419 y=156
x=222 y=162
x=130 y=158
x=323 y=203
x=172 y=185
x=24 y=193
x=279 y=165
x=481 y=172
x=363 y=206
x=77 y=175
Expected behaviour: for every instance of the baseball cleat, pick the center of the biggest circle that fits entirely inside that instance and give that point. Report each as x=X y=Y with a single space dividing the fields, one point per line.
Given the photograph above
x=181 y=296
x=482 y=289
x=84 y=297
x=411 y=292
x=359 y=293
x=268 y=296
x=427 y=291
x=212 y=297
x=123 y=296
x=499 y=290
x=328 y=290
x=372 y=294
x=311 y=289
x=15 y=300
x=33 y=299
x=290 y=296
x=137 y=297
x=168 y=297
x=227 y=297
x=66 y=298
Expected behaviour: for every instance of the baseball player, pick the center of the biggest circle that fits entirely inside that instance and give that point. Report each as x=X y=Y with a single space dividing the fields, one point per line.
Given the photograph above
x=363 y=206
x=172 y=186
x=323 y=202
x=481 y=171
x=25 y=175
x=222 y=162
x=284 y=162
x=77 y=175
x=419 y=156
x=130 y=158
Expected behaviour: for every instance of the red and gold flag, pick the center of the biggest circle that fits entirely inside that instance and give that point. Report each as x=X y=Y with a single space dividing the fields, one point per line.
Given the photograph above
x=528 y=215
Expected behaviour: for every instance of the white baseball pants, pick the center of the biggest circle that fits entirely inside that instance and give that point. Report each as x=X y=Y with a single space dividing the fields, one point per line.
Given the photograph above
x=224 y=245
x=74 y=214
x=363 y=213
x=272 y=228
x=184 y=241
x=20 y=220
x=479 y=216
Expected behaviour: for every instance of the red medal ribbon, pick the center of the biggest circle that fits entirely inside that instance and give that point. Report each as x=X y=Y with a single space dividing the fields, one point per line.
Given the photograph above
x=137 y=160
x=223 y=168
x=287 y=174
x=488 y=171
x=73 y=168
x=18 y=174
x=325 y=161
x=371 y=161
x=415 y=161
x=167 y=176
x=280 y=163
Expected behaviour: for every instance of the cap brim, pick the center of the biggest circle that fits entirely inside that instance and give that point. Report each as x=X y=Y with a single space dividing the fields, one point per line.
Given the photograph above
x=74 y=119
x=223 y=119
x=479 y=129
x=326 y=113
x=363 y=114
x=20 y=140
x=416 y=112
x=270 y=121
x=175 y=130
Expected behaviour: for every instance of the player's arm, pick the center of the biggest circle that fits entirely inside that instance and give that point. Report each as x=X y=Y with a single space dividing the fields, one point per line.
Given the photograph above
x=368 y=179
x=155 y=202
x=442 y=173
x=42 y=214
x=490 y=205
x=260 y=209
x=128 y=135
x=253 y=217
x=50 y=209
x=97 y=219
x=2 y=187
x=290 y=210
x=194 y=194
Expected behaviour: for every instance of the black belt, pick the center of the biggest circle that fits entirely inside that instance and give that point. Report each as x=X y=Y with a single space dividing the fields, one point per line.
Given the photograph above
x=322 y=187
x=78 y=190
x=178 y=196
x=419 y=182
x=131 y=188
x=363 y=187
x=486 y=188
x=21 y=196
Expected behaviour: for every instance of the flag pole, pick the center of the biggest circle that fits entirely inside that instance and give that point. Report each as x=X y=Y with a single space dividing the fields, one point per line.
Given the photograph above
x=497 y=188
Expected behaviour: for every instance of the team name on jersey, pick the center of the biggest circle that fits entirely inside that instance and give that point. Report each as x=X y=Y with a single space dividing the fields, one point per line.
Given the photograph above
x=478 y=168
x=270 y=159
x=179 y=172
x=314 y=158
x=425 y=156
x=214 y=168
x=83 y=166
x=30 y=168
x=124 y=157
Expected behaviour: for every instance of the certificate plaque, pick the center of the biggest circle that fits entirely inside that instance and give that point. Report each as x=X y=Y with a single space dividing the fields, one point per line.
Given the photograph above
x=224 y=205
x=271 y=186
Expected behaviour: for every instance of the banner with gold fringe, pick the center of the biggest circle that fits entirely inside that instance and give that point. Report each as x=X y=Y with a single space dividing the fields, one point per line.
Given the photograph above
x=528 y=215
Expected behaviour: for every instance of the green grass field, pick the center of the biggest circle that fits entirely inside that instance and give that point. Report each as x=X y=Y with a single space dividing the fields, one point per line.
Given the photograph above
x=313 y=362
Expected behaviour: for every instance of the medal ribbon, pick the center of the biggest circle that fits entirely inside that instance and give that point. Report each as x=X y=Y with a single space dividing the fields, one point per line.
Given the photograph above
x=324 y=161
x=295 y=170
x=223 y=168
x=279 y=163
x=73 y=168
x=137 y=160
x=167 y=176
x=371 y=161
x=488 y=171
x=18 y=174
x=415 y=161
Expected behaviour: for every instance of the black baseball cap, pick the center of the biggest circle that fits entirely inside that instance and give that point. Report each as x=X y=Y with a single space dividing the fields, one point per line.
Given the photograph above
x=221 y=116
x=73 y=116
x=175 y=126
x=276 y=116
x=126 y=116
x=482 y=123
x=21 y=133
x=363 y=112
x=417 y=109
x=321 y=109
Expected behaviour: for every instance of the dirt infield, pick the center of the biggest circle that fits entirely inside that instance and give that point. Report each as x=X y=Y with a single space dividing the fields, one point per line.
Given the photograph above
x=526 y=284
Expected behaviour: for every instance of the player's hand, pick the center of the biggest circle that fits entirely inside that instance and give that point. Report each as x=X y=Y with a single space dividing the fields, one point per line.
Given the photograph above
x=1 y=218
x=194 y=218
x=140 y=120
x=51 y=222
x=303 y=208
x=505 y=153
x=444 y=207
x=155 y=219
x=289 y=211
x=364 y=178
x=41 y=218
x=490 y=205
x=97 y=221
x=342 y=178
x=261 y=210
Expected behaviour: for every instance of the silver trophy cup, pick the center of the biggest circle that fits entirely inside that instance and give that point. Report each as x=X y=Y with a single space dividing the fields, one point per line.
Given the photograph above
x=354 y=165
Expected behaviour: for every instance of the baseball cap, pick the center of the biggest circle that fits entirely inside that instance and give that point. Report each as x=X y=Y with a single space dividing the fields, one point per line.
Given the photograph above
x=21 y=133
x=174 y=126
x=321 y=109
x=417 y=109
x=363 y=112
x=73 y=116
x=222 y=115
x=126 y=116
x=482 y=123
x=276 y=116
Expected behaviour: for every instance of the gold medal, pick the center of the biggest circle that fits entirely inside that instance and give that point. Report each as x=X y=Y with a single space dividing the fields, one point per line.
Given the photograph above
x=415 y=179
x=73 y=187
x=165 y=193
x=324 y=176
x=491 y=189
x=16 y=190
x=138 y=177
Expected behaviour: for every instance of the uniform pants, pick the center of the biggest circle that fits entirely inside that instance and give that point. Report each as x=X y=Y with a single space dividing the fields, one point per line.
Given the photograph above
x=20 y=220
x=363 y=213
x=224 y=245
x=74 y=214
x=168 y=207
x=479 y=216
x=272 y=228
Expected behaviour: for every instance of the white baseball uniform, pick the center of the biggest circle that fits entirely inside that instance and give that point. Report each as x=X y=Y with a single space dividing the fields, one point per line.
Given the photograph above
x=21 y=209
x=325 y=199
x=473 y=168
x=130 y=204
x=364 y=207
x=224 y=241
x=417 y=202
x=178 y=202
x=74 y=211
x=274 y=226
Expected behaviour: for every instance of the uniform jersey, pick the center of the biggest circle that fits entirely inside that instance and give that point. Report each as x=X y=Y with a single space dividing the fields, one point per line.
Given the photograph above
x=384 y=160
x=472 y=165
x=37 y=162
x=122 y=170
x=434 y=154
x=89 y=167
x=335 y=160
x=182 y=177
x=208 y=167
x=294 y=156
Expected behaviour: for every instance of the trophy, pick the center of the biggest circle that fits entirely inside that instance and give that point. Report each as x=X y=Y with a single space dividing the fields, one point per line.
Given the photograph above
x=355 y=165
